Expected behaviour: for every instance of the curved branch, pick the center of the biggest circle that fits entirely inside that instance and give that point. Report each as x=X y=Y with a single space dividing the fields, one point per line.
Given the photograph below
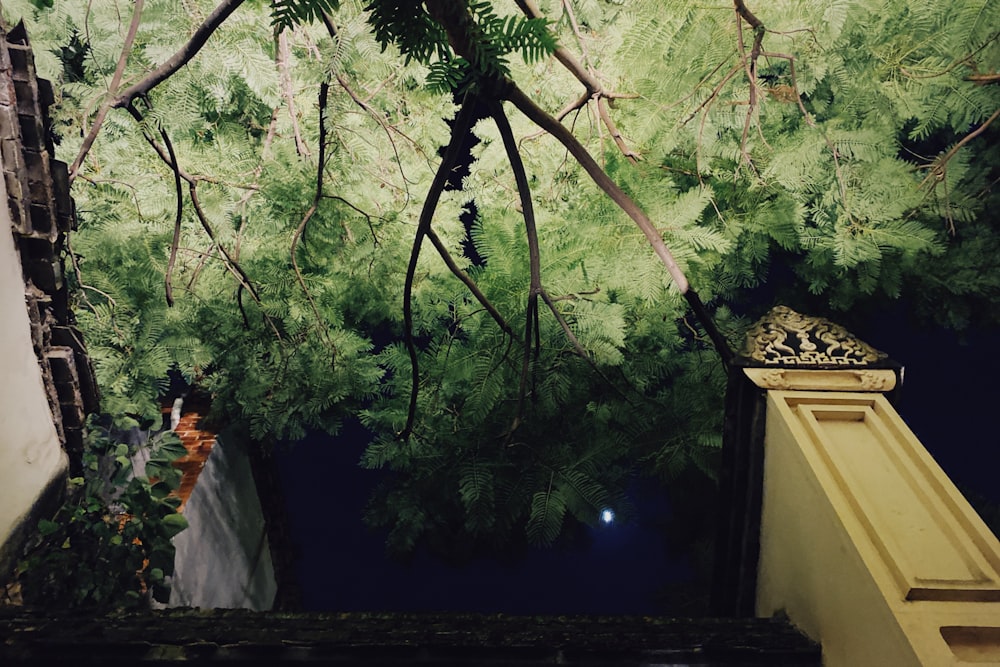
x=231 y=264
x=282 y=56
x=177 y=219
x=541 y=118
x=534 y=254
x=463 y=121
x=462 y=41
x=468 y=281
x=116 y=80
x=241 y=276
x=182 y=57
x=939 y=165
x=537 y=289
x=562 y=54
x=300 y=230
x=585 y=75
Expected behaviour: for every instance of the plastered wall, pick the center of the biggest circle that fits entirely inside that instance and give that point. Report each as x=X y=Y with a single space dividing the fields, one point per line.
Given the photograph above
x=31 y=457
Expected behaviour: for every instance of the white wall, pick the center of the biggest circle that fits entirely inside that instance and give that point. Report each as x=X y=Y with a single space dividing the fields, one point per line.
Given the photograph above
x=223 y=558
x=31 y=456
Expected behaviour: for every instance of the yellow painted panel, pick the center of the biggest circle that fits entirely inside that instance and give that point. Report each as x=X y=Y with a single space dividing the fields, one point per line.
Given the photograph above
x=973 y=644
x=896 y=493
x=865 y=542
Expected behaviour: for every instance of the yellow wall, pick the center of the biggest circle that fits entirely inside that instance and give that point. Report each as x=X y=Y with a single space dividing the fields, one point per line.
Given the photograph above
x=866 y=544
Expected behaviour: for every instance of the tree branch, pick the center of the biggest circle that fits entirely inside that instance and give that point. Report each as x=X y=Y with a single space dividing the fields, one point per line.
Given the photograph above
x=747 y=15
x=541 y=118
x=468 y=281
x=461 y=41
x=984 y=79
x=192 y=182
x=750 y=67
x=534 y=253
x=300 y=230
x=116 y=80
x=463 y=122
x=585 y=75
x=938 y=168
x=177 y=219
x=285 y=83
x=562 y=54
x=536 y=288
x=182 y=57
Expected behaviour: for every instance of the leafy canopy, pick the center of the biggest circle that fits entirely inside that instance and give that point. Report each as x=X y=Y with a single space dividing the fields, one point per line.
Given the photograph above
x=836 y=155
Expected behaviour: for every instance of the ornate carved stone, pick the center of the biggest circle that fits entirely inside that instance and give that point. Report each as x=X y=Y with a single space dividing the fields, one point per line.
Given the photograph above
x=785 y=338
x=868 y=379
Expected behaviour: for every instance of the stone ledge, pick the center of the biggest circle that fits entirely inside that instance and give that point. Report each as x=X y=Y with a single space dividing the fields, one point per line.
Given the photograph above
x=397 y=639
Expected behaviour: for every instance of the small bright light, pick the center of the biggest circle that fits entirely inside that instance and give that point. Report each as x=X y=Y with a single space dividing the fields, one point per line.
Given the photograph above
x=607 y=516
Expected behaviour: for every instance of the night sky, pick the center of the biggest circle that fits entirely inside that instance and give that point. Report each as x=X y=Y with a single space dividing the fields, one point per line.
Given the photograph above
x=949 y=399
x=342 y=563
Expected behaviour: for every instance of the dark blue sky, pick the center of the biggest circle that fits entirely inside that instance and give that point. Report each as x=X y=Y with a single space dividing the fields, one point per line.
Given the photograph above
x=342 y=564
x=950 y=398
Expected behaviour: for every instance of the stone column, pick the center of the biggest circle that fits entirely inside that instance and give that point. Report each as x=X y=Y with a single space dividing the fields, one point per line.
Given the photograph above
x=864 y=543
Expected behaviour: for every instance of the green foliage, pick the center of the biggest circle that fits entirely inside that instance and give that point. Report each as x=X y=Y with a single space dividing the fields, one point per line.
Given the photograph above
x=855 y=179
x=289 y=13
x=410 y=27
x=109 y=545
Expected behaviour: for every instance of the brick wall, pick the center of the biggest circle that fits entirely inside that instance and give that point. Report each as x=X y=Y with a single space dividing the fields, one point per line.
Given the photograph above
x=42 y=213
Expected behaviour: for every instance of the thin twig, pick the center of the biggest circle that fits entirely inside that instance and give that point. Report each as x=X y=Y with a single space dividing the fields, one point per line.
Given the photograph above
x=714 y=94
x=116 y=80
x=285 y=83
x=967 y=60
x=468 y=281
x=241 y=205
x=602 y=110
x=938 y=167
x=203 y=258
x=585 y=74
x=364 y=104
x=79 y=278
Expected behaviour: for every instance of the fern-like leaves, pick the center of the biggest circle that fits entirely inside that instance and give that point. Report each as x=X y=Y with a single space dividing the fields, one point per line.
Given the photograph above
x=289 y=13
x=548 y=508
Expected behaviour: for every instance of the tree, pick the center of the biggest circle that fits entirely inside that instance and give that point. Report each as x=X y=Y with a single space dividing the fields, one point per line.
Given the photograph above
x=255 y=183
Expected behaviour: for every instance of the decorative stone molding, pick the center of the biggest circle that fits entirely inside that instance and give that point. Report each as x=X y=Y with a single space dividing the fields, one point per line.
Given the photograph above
x=876 y=379
x=784 y=337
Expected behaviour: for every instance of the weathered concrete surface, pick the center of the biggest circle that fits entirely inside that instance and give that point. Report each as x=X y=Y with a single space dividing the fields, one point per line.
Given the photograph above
x=31 y=456
x=223 y=558
x=46 y=383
